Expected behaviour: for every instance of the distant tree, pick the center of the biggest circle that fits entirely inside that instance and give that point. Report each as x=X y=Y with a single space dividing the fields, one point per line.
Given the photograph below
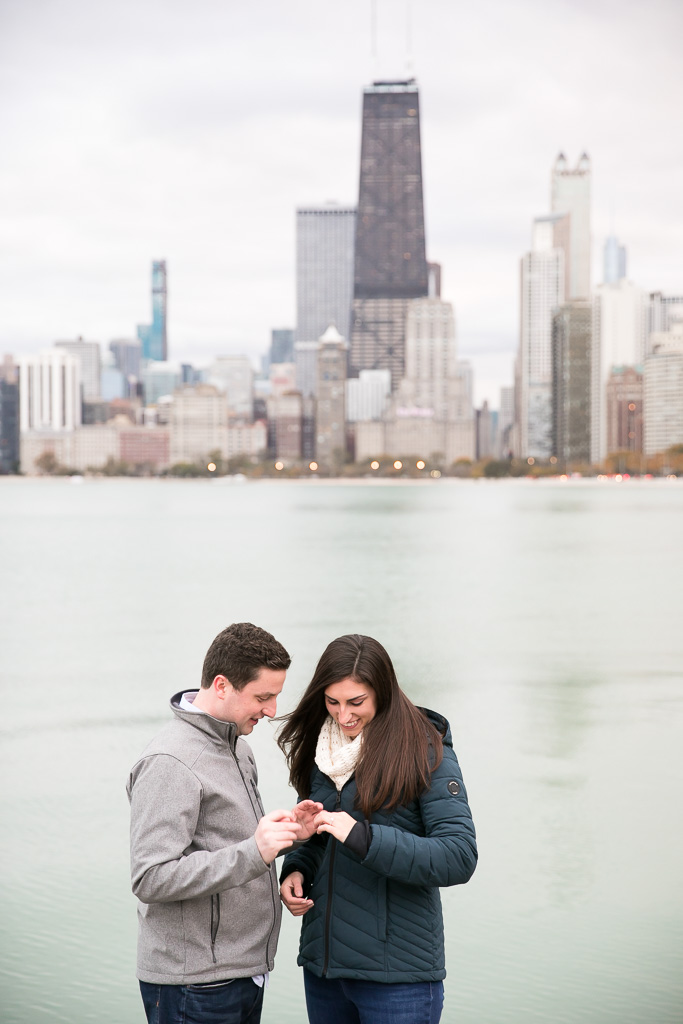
x=497 y=468
x=47 y=463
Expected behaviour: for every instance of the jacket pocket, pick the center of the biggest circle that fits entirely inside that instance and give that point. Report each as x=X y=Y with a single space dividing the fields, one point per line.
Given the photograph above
x=215 y=921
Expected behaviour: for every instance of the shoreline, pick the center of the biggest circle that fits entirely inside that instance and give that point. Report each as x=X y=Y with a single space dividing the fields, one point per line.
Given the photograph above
x=313 y=481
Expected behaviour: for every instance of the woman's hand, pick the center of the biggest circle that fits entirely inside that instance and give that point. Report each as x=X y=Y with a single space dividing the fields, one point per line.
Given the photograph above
x=337 y=823
x=304 y=815
x=292 y=894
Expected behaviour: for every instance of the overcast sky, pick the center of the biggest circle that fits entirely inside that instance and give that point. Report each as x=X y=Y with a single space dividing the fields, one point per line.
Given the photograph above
x=135 y=130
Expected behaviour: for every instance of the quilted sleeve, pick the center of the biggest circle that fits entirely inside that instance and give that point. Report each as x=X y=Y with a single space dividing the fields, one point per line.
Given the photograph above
x=307 y=859
x=447 y=854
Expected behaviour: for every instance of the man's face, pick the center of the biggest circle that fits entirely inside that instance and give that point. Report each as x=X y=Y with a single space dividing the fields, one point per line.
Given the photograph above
x=246 y=707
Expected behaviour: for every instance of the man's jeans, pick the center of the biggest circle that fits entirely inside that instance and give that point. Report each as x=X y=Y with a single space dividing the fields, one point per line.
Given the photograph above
x=346 y=1001
x=237 y=1002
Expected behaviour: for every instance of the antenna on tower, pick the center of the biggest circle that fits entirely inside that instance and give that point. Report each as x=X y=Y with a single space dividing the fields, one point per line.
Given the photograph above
x=409 y=38
x=373 y=37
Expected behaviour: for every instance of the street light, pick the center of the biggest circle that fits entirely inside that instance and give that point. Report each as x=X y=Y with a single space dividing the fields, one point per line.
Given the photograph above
x=398 y=464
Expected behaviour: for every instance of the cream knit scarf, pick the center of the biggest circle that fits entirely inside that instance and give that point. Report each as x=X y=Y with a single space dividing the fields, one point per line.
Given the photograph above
x=336 y=754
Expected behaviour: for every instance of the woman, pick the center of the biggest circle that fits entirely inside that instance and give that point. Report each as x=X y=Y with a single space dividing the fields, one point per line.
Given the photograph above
x=395 y=826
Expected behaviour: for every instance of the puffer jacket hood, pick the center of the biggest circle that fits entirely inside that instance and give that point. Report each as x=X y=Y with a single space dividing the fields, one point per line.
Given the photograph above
x=379 y=918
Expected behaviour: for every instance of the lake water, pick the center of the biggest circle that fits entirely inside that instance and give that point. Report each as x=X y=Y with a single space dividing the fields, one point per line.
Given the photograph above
x=544 y=620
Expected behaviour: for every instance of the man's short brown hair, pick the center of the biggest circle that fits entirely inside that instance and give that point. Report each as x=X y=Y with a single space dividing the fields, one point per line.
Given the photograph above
x=239 y=652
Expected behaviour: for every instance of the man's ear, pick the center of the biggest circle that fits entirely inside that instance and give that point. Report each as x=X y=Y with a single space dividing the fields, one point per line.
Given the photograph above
x=221 y=686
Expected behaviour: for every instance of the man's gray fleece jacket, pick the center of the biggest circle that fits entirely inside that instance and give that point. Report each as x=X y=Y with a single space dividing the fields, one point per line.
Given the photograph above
x=209 y=906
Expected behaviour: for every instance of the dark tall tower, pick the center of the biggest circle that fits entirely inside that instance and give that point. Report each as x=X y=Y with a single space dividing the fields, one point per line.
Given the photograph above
x=390 y=263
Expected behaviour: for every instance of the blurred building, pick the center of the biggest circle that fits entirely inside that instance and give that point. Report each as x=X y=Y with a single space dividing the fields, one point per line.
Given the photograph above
x=198 y=424
x=127 y=355
x=9 y=371
x=325 y=238
x=285 y=427
x=367 y=395
x=234 y=376
x=89 y=356
x=158 y=379
x=249 y=439
x=282 y=378
x=572 y=383
x=485 y=432
x=506 y=421
x=330 y=434
x=571 y=195
x=50 y=390
x=306 y=367
x=154 y=337
x=9 y=426
x=431 y=410
x=281 y=345
x=614 y=261
x=624 y=404
x=542 y=292
x=390 y=266
x=664 y=312
x=663 y=391
x=619 y=339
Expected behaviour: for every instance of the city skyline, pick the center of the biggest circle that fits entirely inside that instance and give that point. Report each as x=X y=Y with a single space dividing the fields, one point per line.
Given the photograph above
x=199 y=157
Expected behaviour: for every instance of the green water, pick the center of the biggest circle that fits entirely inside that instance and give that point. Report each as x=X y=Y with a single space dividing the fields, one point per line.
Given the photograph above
x=543 y=620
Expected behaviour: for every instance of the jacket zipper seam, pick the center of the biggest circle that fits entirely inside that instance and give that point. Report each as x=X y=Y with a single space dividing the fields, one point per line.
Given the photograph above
x=330 y=887
x=270 y=869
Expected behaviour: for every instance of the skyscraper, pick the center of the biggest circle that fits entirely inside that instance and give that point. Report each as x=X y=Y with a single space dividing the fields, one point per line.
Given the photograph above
x=9 y=426
x=619 y=339
x=89 y=356
x=572 y=382
x=542 y=291
x=614 y=261
x=390 y=266
x=50 y=391
x=663 y=391
x=324 y=270
x=330 y=440
x=153 y=336
x=571 y=194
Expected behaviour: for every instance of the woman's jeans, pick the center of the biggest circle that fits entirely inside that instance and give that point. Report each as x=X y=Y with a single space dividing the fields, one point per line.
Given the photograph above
x=346 y=1001
x=237 y=1002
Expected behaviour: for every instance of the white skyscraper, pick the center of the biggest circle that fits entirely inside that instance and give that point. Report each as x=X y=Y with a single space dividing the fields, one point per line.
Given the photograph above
x=367 y=394
x=49 y=391
x=619 y=339
x=542 y=291
x=571 y=194
x=324 y=269
x=663 y=391
x=234 y=375
x=89 y=356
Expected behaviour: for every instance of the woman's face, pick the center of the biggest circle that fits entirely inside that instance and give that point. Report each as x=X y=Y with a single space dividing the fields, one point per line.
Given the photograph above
x=351 y=704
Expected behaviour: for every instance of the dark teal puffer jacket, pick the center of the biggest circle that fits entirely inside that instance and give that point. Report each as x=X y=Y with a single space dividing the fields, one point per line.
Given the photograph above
x=380 y=919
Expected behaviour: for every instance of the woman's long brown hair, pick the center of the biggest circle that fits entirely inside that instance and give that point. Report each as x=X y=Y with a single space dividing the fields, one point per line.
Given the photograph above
x=400 y=745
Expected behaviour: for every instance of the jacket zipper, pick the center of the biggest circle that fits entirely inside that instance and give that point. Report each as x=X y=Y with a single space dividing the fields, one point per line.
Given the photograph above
x=330 y=880
x=271 y=868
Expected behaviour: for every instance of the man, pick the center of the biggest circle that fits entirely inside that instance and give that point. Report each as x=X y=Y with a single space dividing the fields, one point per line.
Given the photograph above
x=202 y=849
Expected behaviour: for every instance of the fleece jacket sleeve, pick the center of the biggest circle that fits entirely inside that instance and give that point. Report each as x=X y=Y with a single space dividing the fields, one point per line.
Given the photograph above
x=165 y=799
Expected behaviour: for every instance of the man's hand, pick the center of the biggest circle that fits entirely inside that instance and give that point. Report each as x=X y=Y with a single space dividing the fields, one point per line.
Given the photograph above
x=275 y=832
x=337 y=823
x=305 y=814
x=292 y=894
